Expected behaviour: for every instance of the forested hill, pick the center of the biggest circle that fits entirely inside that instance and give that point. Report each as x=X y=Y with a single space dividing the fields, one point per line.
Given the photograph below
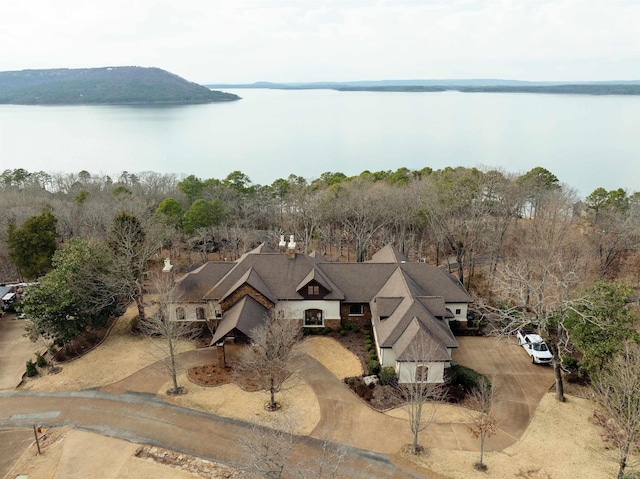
x=108 y=85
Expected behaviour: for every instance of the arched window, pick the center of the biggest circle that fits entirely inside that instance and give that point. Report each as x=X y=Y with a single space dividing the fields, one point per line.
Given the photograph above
x=200 y=313
x=180 y=313
x=422 y=373
x=313 y=317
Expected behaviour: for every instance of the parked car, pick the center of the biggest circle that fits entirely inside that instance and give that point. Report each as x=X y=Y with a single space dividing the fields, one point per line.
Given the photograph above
x=535 y=346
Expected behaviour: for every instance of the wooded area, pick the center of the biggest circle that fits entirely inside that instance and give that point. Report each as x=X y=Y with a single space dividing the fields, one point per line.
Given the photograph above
x=530 y=252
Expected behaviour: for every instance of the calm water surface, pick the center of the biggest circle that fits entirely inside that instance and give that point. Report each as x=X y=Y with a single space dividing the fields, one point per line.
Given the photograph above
x=587 y=141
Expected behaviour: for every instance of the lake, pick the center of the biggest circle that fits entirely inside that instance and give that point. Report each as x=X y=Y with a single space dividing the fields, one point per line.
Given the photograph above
x=586 y=141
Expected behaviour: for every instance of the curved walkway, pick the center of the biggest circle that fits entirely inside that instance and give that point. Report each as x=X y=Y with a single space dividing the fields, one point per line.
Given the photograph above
x=519 y=384
x=149 y=380
x=345 y=419
x=120 y=410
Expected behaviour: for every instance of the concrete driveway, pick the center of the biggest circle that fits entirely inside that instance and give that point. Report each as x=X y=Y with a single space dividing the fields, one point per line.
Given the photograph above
x=344 y=418
x=15 y=350
x=520 y=384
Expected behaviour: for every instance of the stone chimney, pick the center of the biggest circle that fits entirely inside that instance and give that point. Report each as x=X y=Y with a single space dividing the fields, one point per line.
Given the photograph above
x=291 y=248
x=282 y=246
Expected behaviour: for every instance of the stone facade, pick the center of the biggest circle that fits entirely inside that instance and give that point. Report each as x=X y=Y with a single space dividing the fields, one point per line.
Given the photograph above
x=240 y=293
x=363 y=321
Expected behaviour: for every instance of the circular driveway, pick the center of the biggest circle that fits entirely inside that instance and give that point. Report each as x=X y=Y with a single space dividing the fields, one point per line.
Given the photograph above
x=520 y=385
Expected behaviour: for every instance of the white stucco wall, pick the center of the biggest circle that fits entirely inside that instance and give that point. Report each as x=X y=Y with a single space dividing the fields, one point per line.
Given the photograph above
x=406 y=372
x=296 y=309
x=462 y=316
x=190 y=311
x=386 y=356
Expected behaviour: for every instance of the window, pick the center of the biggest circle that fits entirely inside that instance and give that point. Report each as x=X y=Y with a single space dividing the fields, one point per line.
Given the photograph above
x=200 y=313
x=458 y=312
x=180 y=313
x=313 y=290
x=422 y=373
x=313 y=317
x=356 y=310
x=218 y=313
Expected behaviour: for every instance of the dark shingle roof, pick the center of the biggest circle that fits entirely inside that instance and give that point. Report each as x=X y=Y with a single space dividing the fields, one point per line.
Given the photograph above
x=192 y=287
x=384 y=307
x=416 y=344
x=388 y=254
x=318 y=276
x=279 y=273
x=362 y=281
x=411 y=296
x=253 y=279
x=244 y=316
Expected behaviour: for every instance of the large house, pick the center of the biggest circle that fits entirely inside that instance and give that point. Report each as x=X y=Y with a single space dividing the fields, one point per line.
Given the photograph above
x=406 y=304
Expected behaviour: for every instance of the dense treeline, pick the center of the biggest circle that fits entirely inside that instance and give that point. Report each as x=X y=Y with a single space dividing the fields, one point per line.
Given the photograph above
x=456 y=216
x=111 y=85
x=527 y=248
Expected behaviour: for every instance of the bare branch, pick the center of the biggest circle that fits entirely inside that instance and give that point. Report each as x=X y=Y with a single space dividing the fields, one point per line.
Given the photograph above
x=271 y=359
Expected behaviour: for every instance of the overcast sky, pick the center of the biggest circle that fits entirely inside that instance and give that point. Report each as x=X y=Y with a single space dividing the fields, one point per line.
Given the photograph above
x=214 y=41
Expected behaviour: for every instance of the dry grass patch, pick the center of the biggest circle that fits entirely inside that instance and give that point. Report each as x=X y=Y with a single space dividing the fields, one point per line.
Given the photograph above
x=562 y=441
x=299 y=404
x=341 y=362
x=121 y=355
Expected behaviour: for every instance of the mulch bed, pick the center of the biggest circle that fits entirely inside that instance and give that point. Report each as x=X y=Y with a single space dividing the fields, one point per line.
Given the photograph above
x=381 y=398
x=210 y=375
x=84 y=343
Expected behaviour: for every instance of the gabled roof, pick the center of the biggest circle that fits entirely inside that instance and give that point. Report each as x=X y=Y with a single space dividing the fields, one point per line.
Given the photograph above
x=254 y=280
x=408 y=300
x=416 y=344
x=391 y=329
x=414 y=305
x=244 y=316
x=360 y=282
x=315 y=275
x=280 y=274
x=437 y=282
x=388 y=254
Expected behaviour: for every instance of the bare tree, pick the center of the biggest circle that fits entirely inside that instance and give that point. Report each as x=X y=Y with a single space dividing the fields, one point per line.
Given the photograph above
x=132 y=248
x=617 y=388
x=455 y=207
x=274 y=453
x=535 y=285
x=269 y=361
x=483 y=423
x=362 y=209
x=167 y=334
x=328 y=465
x=268 y=450
x=421 y=397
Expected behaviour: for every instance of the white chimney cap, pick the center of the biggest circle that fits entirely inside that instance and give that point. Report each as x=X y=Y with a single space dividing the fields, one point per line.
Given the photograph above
x=167 y=265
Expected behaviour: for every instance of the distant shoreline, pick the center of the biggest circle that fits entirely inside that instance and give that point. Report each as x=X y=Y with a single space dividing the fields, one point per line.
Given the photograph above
x=463 y=86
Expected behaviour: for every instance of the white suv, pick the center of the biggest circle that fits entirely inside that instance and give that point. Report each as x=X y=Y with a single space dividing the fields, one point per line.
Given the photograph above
x=535 y=346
